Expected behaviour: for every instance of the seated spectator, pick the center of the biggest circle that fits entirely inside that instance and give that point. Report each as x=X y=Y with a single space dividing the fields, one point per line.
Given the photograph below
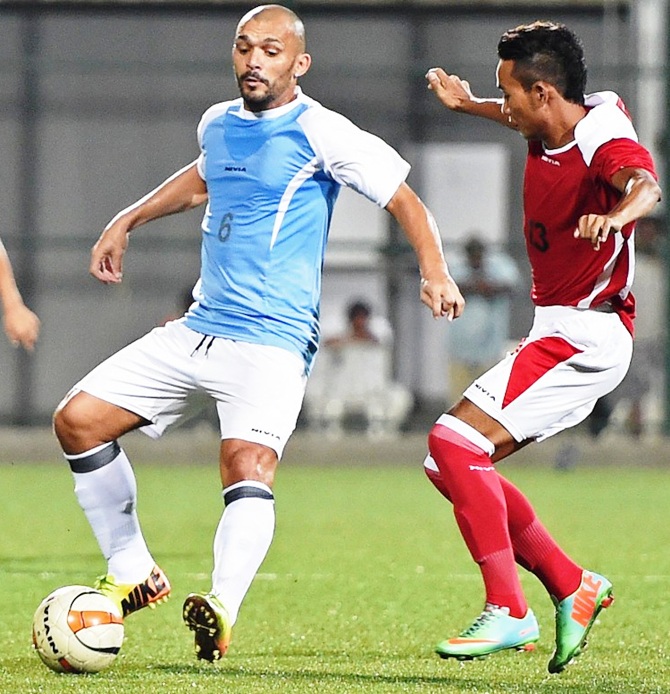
x=637 y=400
x=353 y=377
x=359 y=315
x=479 y=338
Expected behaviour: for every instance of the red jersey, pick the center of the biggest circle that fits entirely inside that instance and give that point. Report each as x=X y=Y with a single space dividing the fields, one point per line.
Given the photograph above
x=560 y=186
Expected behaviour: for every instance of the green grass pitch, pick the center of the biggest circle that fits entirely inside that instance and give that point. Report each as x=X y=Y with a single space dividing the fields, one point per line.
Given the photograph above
x=367 y=573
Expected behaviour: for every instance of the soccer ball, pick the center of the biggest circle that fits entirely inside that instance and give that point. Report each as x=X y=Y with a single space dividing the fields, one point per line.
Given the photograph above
x=77 y=629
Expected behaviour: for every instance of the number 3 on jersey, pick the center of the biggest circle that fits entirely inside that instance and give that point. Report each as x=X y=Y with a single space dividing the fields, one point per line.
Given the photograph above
x=537 y=235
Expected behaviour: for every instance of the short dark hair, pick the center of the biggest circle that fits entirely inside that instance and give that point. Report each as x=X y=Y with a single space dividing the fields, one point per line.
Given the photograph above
x=546 y=51
x=474 y=245
x=358 y=308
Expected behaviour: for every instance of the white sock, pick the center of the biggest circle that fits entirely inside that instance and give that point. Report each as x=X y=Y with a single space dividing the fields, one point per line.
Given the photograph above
x=242 y=540
x=105 y=486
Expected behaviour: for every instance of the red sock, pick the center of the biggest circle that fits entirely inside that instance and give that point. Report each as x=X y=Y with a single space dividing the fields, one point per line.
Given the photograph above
x=534 y=548
x=481 y=512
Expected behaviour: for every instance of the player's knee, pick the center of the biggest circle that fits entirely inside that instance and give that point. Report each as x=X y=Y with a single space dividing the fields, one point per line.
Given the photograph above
x=434 y=475
x=436 y=444
x=244 y=460
x=69 y=420
x=62 y=423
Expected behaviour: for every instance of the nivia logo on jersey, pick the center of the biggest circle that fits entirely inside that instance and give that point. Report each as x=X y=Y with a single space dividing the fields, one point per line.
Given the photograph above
x=265 y=433
x=550 y=161
x=235 y=168
x=485 y=392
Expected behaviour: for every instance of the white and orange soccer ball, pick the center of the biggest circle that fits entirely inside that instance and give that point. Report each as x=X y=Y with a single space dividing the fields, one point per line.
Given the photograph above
x=77 y=629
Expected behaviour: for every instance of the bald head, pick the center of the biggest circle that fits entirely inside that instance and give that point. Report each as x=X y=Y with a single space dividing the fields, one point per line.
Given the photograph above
x=269 y=56
x=284 y=17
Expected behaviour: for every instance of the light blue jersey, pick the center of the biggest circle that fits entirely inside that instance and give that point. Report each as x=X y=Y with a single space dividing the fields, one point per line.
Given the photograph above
x=272 y=180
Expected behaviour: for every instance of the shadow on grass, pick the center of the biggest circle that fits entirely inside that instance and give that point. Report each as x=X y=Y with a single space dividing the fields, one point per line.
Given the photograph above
x=301 y=674
x=455 y=681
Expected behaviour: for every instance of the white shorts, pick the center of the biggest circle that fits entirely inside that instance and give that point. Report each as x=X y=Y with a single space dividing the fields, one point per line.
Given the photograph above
x=258 y=389
x=552 y=380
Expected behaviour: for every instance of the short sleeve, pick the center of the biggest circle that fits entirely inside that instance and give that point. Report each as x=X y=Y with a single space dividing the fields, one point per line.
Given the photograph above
x=621 y=153
x=354 y=157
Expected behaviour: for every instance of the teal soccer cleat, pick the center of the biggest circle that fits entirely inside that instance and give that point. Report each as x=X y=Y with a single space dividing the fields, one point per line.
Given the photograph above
x=494 y=630
x=575 y=615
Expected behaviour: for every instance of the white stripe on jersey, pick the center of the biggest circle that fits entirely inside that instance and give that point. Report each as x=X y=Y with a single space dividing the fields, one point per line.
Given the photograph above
x=606 y=275
x=604 y=122
x=304 y=174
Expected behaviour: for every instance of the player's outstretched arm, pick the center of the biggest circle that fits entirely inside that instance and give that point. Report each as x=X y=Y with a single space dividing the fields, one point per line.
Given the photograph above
x=641 y=193
x=455 y=94
x=184 y=190
x=21 y=325
x=438 y=290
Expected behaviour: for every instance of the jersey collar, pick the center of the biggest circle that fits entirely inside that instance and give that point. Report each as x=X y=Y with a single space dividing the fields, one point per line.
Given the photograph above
x=271 y=112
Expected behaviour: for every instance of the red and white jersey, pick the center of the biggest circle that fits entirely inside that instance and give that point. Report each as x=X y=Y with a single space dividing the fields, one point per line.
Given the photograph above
x=560 y=186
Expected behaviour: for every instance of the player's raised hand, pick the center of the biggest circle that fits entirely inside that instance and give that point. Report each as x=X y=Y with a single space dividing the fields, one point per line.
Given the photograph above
x=107 y=254
x=442 y=296
x=451 y=90
x=596 y=228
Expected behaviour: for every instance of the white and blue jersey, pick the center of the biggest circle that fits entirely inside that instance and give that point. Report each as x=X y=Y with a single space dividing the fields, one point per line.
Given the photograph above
x=272 y=180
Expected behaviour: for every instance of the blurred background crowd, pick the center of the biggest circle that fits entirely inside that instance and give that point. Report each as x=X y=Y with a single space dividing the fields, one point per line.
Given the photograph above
x=100 y=100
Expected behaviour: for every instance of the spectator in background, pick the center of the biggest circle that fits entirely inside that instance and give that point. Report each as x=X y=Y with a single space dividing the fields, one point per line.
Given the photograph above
x=644 y=382
x=359 y=330
x=645 y=378
x=21 y=325
x=487 y=279
x=353 y=376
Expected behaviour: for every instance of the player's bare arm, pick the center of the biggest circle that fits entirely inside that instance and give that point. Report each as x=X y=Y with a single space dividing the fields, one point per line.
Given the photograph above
x=455 y=93
x=21 y=325
x=184 y=190
x=641 y=193
x=438 y=290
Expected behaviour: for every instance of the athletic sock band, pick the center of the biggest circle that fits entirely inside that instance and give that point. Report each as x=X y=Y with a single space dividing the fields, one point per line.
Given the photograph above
x=468 y=432
x=247 y=490
x=95 y=458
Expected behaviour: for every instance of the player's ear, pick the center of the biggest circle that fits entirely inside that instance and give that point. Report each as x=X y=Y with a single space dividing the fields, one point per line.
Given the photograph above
x=541 y=90
x=302 y=64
